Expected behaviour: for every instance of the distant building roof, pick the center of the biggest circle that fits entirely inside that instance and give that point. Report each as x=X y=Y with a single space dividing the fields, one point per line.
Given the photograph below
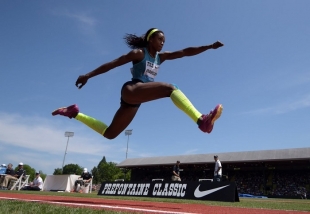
x=246 y=156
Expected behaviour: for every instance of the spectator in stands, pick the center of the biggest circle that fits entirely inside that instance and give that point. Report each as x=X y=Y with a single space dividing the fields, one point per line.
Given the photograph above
x=84 y=179
x=217 y=170
x=176 y=172
x=37 y=183
x=9 y=177
x=9 y=171
x=250 y=182
x=290 y=183
x=302 y=192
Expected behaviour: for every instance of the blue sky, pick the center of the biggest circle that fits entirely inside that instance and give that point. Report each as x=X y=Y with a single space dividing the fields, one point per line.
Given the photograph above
x=261 y=76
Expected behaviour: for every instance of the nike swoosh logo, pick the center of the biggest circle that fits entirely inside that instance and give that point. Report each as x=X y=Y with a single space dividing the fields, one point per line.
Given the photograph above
x=199 y=194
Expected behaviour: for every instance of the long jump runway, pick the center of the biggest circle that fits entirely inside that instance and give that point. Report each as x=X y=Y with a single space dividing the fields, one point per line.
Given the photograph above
x=136 y=206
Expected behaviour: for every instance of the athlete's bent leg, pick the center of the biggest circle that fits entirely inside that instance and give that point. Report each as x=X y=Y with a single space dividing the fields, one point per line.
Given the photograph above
x=121 y=120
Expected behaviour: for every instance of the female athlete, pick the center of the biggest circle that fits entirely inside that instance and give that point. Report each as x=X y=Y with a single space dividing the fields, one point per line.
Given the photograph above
x=146 y=59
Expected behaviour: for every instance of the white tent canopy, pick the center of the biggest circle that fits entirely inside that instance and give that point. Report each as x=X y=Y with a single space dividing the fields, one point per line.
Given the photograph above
x=60 y=182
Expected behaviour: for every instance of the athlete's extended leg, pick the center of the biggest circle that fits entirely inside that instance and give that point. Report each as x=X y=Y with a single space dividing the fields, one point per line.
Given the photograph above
x=121 y=120
x=205 y=122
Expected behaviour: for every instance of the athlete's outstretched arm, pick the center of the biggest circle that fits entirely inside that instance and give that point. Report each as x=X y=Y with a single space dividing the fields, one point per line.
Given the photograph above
x=134 y=55
x=191 y=51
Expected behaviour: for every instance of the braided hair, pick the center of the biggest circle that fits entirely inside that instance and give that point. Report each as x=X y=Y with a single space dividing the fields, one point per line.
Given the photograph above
x=135 y=42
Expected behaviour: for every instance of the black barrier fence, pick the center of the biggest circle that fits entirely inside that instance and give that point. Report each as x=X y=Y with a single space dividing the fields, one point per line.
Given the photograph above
x=212 y=191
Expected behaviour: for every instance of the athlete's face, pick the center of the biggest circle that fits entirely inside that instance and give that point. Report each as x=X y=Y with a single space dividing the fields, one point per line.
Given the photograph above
x=158 y=41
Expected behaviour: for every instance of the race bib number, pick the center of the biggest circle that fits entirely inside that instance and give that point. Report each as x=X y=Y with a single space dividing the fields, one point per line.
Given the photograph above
x=151 y=69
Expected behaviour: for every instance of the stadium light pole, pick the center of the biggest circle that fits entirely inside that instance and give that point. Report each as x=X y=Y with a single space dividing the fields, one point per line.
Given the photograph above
x=68 y=135
x=127 y=133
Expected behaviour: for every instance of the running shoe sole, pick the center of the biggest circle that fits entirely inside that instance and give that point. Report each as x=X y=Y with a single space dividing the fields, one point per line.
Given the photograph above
x=209 y=119
x=219 y=110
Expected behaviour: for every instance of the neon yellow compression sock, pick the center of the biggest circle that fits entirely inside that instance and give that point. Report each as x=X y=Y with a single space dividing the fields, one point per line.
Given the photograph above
x=183 y=103
x=92 y=123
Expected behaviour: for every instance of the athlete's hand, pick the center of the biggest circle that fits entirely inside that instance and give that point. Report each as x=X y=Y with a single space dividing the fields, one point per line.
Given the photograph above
x=81 y=81
x=217 y=44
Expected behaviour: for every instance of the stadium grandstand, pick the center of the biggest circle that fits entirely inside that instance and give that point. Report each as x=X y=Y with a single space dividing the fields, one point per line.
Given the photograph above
x=273 y=173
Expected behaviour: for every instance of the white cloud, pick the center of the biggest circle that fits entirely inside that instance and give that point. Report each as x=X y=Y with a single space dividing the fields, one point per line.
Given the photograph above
x=285 y=107
x=287 y=79
x=43 y=135
x=86 y=25
x=41 y=143
x=82 y=19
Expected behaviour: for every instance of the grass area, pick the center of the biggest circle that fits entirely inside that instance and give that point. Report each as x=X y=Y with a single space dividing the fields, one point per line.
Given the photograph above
x=23 y=207
x=19 y=207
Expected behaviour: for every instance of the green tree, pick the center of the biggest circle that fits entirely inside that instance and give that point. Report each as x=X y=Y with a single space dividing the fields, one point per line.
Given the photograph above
x=98 y=175
x=103 y=161
x=95 y=174
x=69 y=169
x=58 y=171
x=108 y=171
x=72 y=169
x=126 y=174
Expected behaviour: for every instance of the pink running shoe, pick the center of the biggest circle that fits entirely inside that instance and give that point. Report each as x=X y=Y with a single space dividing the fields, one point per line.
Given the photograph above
x=70 y=111
x=206 y=125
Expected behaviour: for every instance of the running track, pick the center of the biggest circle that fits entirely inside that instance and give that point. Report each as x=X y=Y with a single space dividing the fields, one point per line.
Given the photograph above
x=137 y=206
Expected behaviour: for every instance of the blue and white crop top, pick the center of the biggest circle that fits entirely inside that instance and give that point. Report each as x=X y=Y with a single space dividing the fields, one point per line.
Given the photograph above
x=147 y=69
